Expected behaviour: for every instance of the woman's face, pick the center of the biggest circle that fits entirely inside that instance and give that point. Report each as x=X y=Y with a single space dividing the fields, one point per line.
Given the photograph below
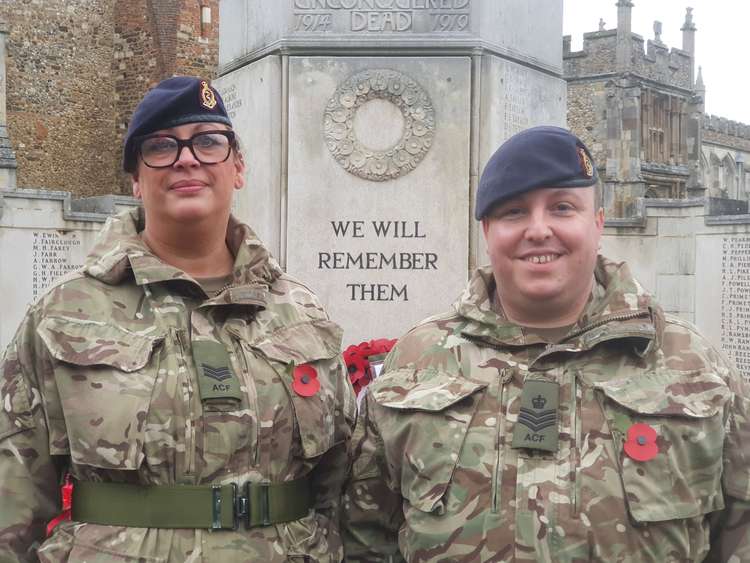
x=188 y=190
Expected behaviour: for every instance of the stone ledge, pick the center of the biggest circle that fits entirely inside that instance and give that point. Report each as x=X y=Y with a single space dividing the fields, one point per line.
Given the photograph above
x=344 y=45
x=96 y=208
x=728 y=220
x=664 y=202
x=710 y=216
x=678 y=169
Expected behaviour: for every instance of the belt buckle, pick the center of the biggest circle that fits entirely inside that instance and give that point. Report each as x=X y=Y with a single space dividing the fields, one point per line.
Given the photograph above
x=241 y=505
x=217 y=498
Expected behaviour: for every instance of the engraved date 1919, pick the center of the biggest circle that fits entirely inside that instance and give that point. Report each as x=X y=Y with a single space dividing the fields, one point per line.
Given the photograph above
x=449 y=22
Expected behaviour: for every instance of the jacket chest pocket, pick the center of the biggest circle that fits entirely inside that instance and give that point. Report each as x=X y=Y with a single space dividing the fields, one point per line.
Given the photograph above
x=673 y=422
x=426 y=417
x=105 y=378
x=317 y=346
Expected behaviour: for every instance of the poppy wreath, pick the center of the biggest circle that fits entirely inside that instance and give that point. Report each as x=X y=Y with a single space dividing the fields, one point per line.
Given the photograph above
x=357 y=360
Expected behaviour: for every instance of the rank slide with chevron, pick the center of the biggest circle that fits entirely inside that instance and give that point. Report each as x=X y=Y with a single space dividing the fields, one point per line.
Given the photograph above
x=537 y=420
x=220 y=373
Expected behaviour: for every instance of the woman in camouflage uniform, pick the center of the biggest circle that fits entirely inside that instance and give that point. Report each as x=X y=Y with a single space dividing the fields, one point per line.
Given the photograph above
x=192 y=390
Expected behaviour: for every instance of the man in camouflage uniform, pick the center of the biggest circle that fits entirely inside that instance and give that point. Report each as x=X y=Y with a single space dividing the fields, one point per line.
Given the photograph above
x=555 y=413
x=163 y=395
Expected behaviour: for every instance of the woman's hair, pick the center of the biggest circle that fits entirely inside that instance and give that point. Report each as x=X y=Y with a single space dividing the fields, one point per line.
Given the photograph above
x=237 y=147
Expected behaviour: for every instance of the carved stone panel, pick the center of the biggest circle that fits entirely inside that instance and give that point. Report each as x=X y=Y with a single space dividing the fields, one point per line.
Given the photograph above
x=415 y=124
x=378 y=195
x=723 y=295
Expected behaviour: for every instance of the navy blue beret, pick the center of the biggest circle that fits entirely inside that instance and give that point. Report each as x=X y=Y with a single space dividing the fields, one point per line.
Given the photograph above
x=174 y=101
x=540 y=157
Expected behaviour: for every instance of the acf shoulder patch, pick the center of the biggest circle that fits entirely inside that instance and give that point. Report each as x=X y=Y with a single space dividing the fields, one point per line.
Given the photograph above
x=216 y=378
x=536 y=427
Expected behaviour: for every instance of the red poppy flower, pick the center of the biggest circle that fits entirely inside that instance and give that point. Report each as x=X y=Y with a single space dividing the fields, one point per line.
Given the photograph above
x=352 y=352
x=306 y=382
x=356 y=358
x=641 y=442
x=365 y=348
x=358 y=368
x=381 y=345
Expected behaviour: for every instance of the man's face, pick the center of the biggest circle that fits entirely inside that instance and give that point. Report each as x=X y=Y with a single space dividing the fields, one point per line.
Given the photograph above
x=543 y=246
x=188 y=190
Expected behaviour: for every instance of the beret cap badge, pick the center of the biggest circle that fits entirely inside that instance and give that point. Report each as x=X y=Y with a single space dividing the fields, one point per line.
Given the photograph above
x=586 y=165
x=208 y=99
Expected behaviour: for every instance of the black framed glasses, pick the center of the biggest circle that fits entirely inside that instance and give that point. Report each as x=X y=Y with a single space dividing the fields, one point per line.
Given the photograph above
x=208 y=147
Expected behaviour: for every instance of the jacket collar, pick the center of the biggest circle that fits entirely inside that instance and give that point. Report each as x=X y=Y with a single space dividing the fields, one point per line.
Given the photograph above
x=619 y=307
x=119 y=253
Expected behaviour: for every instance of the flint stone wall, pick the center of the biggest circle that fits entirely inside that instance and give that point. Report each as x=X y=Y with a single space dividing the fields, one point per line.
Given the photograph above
x=76 y=70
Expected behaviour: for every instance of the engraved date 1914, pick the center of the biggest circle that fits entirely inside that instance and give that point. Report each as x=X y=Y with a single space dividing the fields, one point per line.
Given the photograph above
x=312 y=22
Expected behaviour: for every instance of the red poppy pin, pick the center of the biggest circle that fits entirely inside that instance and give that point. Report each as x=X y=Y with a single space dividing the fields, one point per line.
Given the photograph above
x=306 y=382
x=641 y=442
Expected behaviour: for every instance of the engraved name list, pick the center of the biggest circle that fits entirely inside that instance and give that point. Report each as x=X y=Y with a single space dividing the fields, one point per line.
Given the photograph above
x=52 y=255
x=735 y=301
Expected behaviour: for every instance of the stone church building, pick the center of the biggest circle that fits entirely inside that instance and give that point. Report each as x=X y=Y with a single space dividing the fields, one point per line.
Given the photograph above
x=641 y=110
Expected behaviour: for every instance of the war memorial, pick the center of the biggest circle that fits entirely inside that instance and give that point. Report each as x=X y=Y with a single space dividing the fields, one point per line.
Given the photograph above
x=366 y=125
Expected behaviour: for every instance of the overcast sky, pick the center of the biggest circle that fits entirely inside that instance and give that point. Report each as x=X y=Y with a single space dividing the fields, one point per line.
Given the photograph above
x=722 y=41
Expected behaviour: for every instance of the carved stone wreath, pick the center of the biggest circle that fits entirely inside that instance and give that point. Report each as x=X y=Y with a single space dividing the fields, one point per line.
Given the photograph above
x=419 y=124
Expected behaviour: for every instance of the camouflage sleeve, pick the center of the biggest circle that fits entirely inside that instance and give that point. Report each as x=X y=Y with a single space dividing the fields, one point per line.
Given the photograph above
x=373 y=510
x=29 y=485
x=330 y=472
x=730 y=528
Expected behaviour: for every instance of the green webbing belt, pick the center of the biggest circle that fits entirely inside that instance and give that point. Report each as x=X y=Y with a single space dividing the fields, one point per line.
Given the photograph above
x=190 y=506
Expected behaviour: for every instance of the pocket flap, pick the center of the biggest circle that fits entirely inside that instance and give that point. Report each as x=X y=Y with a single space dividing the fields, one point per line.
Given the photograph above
x=89 y=343
x=427 y=389
x=669 y=393
x=302 y=343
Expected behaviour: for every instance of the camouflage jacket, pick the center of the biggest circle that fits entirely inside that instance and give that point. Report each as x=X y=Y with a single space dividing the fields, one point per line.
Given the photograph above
x=435 y=477
x=100 y=381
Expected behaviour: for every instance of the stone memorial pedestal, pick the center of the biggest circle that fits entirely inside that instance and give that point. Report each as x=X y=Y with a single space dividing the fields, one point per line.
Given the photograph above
x=365 y=125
